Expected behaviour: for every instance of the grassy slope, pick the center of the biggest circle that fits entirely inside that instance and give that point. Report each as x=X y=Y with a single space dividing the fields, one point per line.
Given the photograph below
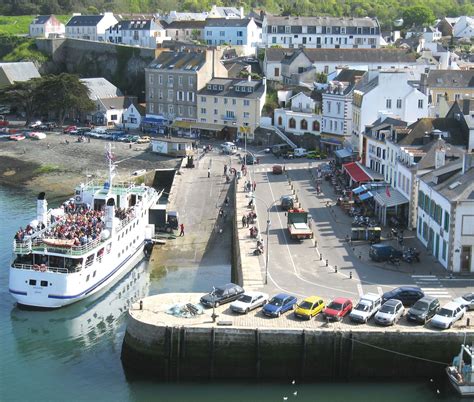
x=18 y=25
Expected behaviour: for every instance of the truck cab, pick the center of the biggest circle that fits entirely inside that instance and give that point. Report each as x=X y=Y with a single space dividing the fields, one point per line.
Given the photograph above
x=298 y=224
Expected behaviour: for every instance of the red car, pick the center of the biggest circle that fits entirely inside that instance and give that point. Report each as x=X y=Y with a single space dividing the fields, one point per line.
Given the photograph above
x=338 y=309
x=68 y=129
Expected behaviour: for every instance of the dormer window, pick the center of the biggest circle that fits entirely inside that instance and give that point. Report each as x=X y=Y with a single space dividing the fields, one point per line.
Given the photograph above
x=214 y=87
x=209 y=87
x=221 y=87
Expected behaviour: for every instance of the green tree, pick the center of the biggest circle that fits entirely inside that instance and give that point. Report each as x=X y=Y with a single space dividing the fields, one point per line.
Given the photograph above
x=21 y=95
x=418 y=16
x=63 y=93
x=321 y=78
x=195 y=34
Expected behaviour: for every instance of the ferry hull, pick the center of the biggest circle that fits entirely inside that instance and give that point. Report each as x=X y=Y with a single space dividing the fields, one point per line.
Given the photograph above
x=45 y=298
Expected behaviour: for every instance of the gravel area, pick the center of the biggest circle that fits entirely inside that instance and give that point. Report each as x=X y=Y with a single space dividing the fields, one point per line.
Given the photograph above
x=54 y=166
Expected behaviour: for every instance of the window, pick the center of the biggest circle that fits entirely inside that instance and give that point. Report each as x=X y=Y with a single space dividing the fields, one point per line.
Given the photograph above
x=215 y=111
x=446 y=221
x=170 y=109
x=280 y=121
x=420 y=103
x=215 y=100
x=234 y=101
x=388 y=104
x=32 y=282
x=246 y=102
x=180 y=80
x=203 y=99
x=113 y=117
x=419 y=226
x=240 y=33
x=160 y=94
x=292 y=123
x=180 y=110
x=329 y=107
x=221 y=33
x=203 y=110
x=443 y=250
x=399 y=103
x=225 y=101
x=287 y=29
x=338 y=107
x=190 y=80
x=150 y=79
x=170 y=94
x=229 y=114
x=246 y=115
x=170 y=80
x=160 y=79
x=277 y=72
x=44 y=283
x=316 y=126
x=190 y=111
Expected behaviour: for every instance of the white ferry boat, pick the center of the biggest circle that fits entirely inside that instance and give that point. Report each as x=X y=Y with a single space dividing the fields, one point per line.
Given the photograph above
x=86 y=245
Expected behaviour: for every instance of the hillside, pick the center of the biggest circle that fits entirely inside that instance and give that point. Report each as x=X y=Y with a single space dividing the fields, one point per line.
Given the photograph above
x=385 y=10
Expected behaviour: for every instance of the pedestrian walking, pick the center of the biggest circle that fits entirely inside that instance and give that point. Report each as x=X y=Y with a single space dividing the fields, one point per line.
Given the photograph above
x=225 y=170
x=208 y=173
x=254 y=186
x=244 y=221
x=181 y=226
x=249 y=186
x=226 y=201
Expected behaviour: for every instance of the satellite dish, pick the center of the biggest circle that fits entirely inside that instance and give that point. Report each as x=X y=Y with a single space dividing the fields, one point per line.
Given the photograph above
x=398 y=23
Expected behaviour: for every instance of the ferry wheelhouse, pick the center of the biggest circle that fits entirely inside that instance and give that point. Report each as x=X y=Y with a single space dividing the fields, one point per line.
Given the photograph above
x=72 y=252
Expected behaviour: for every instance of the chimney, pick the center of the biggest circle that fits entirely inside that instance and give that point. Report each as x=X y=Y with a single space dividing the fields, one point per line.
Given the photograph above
x=249 y=78
x=42 y=209
x=426 y=138
x=440 y=154
x=241 y=12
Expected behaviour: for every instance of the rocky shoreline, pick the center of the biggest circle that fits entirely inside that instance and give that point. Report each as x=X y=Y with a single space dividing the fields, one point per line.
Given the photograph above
x=57 y=167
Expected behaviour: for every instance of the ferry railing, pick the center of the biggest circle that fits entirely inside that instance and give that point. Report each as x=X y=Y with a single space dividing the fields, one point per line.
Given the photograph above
x=39 y=245
x=46 y=269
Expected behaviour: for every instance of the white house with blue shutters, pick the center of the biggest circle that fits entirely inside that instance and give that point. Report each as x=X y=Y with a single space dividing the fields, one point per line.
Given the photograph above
x=243 y=32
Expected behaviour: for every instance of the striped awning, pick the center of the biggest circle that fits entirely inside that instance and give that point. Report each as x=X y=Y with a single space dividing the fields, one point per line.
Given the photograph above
x=390 y=198
x=366 y=196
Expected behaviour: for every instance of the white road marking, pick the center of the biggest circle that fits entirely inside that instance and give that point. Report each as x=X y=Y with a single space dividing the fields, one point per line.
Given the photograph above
x=359 y=289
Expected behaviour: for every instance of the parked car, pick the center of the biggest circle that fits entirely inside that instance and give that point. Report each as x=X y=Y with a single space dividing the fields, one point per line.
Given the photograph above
x=389 y=313
x=300 y=152
x=277 y=169
x=68 y=129
x=35 y=124
x=367 y=306
x=382 y=252
x=338 y=309
x=221 y=295
x=448 y=315
x=287 y=202
x=408 y=295
x=249 y=159
x=48 y=125
x=144 y=139
x=423 y=310
x=466 y=301
x=309 y=307
x=279 y=304
x=249 y=301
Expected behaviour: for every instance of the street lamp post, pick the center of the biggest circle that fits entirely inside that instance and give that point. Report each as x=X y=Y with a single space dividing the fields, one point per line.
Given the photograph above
x=267 y=255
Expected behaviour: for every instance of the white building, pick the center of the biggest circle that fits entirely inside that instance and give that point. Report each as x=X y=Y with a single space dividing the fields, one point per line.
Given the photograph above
x=300 y=116
x=320 y=32
x=46 y=26
x=464 y=27
x=143 y=33
x=90 y=27
x=132 y=117
x=336 y=122
x=237 y=32
x=445 y=215
x=388 y=93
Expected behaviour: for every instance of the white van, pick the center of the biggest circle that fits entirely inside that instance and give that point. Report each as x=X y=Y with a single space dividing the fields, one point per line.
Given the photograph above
x=300 y=152
x=229 y=148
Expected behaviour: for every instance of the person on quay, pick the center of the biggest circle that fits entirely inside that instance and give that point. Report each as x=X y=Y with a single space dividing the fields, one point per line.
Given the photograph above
x=181 y=226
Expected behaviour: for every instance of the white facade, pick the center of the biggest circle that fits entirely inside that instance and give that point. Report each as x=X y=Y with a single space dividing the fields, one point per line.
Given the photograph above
x=46 y=26
x=463 y=237
x=131 y=117
x=320 y=32
x=90 y=27
x=337 y=111
x=300 y=118
x=388 y=93
x=234 y=32
x=143 y=33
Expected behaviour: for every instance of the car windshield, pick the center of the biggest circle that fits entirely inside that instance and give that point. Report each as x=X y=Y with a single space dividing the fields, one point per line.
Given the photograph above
x=335 y=306
x=362 y=307
x=245 y=299
x=218 y=292
x=276 y=301
x=387 y=309
x=445 y=312
x=468 y=297
x=306 y=304
x=422 y=306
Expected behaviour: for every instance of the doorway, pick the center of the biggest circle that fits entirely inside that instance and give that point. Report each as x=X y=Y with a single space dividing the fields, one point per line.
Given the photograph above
x=466 y=252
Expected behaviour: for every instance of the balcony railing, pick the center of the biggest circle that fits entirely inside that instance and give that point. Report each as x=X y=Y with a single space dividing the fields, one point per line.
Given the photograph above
x=229 y=118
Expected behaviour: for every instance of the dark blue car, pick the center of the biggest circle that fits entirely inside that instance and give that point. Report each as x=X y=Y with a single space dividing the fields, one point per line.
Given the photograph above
x=279 y=304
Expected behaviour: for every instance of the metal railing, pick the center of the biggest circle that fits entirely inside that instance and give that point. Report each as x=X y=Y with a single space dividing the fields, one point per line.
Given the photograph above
x=39 y=245
x=58 y=270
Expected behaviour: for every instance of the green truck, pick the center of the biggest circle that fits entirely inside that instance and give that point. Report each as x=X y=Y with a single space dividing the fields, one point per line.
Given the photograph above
x=298 y=226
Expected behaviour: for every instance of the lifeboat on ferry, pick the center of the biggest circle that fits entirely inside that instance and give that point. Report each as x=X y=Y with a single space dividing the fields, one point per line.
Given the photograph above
x=17 y=137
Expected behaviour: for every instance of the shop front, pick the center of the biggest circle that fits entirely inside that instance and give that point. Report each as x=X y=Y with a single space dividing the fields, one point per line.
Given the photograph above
x=330 y=143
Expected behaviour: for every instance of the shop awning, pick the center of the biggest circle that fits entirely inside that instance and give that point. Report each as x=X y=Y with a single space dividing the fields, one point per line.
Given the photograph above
x=360 y=189
x=390 y=198
x=343 y=153
x=182 y=124
x=355 y=172
x=208 y=126
x=366 y=196
x=153 y=120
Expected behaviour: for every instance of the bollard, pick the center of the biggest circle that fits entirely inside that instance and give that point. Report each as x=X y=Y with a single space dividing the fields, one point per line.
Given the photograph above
x=468 y=322
x=360 y=256
x=327 y=261
x=350 y=275
x=141 y=304
x=315 y=243
x=353 y=249
x=320 y=257
x=335 y=269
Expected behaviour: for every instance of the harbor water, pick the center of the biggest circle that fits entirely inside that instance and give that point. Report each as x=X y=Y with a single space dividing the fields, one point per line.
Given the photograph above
x=73 y=354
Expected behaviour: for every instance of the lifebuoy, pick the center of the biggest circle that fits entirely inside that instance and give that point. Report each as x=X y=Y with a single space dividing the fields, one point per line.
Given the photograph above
x=36 y=267
x=78 y=198
x=43 y=268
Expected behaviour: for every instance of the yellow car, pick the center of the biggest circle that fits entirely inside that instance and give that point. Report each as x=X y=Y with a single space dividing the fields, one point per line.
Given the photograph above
x=309 y=307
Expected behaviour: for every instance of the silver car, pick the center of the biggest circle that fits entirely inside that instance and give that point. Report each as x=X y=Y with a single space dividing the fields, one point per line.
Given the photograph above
x=466 y=301
x=390 y=312
x=448 y=315
x=248 y=301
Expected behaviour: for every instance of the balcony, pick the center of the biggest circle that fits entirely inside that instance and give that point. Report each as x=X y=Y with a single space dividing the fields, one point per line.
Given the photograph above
x=229 y=118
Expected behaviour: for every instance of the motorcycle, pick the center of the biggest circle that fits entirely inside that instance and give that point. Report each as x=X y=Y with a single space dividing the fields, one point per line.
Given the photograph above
x=394 y=260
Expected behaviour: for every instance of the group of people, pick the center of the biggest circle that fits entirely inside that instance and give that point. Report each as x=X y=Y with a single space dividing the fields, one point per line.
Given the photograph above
x=84 y=225
x=123 y=213
x=249 y=219
x=250 y=186
x=28 y=231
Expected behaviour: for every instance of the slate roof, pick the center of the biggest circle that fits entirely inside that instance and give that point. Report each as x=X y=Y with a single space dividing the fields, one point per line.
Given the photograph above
x=138 y=25
x=41 y=19
x=227 y=11
x=84 y=20
x=428 y=160
x=118 y=103
x=321 y=21
x=450 y=79
x=188 y=61
x=457 y=136
x=19 y=71
x=227 y=22
x=229 y=88
x=382 y=55
x=100 y=88
x=191 y=24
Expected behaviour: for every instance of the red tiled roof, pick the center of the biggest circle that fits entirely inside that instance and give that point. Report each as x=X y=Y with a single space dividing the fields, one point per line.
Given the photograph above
x=356 y=173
